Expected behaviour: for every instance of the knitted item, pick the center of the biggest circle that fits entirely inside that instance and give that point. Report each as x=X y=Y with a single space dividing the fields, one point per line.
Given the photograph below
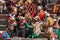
x=4 y=34
x=41 y=16
x=33 y=35
x=31 y=9
x=36 y=29
x=55 y=10
x=57 y=31
x=26 y=26
x=54 y=35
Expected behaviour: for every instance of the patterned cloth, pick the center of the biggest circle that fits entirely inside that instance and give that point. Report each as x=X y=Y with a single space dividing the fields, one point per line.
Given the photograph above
x=36 y=29
x=55 y=10
x=4 y=34
x=10 y=3
x=57 y=31
x=41 y=16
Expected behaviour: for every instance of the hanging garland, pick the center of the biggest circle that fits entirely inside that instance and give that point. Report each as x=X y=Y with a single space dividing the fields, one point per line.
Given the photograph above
x=31 y=9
